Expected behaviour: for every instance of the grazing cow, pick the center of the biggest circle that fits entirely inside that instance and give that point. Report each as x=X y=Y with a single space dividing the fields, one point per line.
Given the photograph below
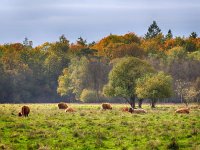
x=69 y=109
x=106 y=106
x=124 y=109
x=19 y=114
x=130 y=110
x=62 y=105
x=183 y=111
x=25 y=111
x=137 y=111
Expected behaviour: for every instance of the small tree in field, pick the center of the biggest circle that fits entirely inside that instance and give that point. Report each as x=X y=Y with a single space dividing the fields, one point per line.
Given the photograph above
x=123 y=77
x=154 y=86
x=189 y=94
x=182 y=88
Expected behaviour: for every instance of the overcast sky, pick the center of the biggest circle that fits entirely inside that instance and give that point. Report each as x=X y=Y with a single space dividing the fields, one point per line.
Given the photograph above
x=46 y=20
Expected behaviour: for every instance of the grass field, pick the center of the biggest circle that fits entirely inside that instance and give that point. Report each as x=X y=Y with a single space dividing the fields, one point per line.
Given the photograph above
x=90 y=128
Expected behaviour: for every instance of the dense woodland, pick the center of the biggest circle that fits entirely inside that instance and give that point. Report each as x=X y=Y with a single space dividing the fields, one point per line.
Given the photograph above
x=81 y=71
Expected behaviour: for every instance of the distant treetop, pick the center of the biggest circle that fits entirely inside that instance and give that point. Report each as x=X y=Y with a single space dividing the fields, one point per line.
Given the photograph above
x=153 y=31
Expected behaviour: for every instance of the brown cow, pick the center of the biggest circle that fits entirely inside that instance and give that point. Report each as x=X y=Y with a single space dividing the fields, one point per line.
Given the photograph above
x=106 y=106
x=69 y=109
x=124 y=109
x=25 y=111
x=19 y=114
x=130 y=110
x=183 y=111
x=62 y=105
x=137 y=111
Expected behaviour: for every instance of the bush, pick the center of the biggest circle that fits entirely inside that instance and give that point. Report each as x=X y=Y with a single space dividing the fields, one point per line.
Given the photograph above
x=88 y=96
x=176 y=52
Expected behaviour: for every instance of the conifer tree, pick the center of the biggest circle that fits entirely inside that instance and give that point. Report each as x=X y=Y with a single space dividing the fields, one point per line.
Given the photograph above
x=153 y=31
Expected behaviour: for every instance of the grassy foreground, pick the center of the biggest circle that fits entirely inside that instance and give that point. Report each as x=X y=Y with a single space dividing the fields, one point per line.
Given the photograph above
x=90 y=128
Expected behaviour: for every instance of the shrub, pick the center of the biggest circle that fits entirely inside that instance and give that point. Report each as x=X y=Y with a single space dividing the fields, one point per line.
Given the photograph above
x=88 y=96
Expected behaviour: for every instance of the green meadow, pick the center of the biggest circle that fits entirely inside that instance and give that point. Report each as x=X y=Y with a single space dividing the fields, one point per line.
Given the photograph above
x=91 y=128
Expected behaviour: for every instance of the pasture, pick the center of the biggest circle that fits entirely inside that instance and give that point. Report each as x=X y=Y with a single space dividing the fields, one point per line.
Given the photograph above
x=90 y=128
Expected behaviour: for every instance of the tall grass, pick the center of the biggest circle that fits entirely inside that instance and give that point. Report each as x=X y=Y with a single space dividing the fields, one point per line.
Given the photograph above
x=89 y=127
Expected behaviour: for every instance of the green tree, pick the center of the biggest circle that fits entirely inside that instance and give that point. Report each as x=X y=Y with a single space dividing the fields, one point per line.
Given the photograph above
x=57 y=59
x=5 y=86
x=169 y=35
x=27 y=43
x=190 y=45
x=123 y=77
x=109 y=44
x=83 y=73
x=154 y=86
x=193 y=35
x=73 y=80
x=153 y=31
x=87 y=52
x=81 y=41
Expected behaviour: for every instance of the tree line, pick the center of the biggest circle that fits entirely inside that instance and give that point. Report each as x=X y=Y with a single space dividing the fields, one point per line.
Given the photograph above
x=90 y=72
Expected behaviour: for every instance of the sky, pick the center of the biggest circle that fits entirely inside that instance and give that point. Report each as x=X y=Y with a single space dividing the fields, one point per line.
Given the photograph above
x=46 y=20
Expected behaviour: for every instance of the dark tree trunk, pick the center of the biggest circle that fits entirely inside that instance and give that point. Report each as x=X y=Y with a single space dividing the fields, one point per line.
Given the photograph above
x=132 y=101
x=186 y=103
x=140 y=103
x=153 y=103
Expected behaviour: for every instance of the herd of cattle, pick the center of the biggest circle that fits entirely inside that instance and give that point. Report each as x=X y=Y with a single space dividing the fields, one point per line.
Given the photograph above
x=105 y=106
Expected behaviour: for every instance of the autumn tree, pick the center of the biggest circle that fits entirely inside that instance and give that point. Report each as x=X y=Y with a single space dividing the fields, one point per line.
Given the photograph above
x=80 y=47
x=123 y=77
x=132 y=49
x=107 y=46
x=30 y=74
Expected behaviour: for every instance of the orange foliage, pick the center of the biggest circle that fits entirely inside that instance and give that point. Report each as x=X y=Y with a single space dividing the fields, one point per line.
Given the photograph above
x=169 y=43
x=17 y=46
x=108 y=44
x=74 y=48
